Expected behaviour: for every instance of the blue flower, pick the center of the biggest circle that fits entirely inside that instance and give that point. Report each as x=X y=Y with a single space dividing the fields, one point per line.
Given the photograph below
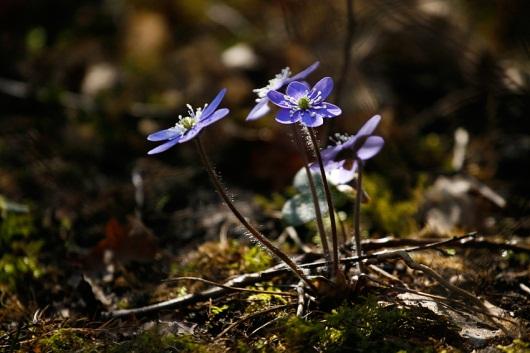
x=340 y=161
x=189 y=126
x=280 y=80
x=305 y=104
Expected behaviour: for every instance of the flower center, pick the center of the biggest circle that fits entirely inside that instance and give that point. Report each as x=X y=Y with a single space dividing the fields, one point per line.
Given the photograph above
x=304 y=103
x=187 y=122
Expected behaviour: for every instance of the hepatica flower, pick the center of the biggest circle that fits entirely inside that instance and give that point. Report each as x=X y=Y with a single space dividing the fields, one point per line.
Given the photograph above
x=340 y=161
x=304 y=104
x=280 y=80
x=189 y=126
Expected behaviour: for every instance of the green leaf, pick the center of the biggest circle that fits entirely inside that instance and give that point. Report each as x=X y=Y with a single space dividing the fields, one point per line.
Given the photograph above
x=299 y=209
x=301 y=183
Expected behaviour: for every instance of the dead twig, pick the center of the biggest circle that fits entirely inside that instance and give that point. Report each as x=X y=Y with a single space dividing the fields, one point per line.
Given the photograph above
x=472 y=242
x=250 y=316
x=252 y=278
x=524 y=288
x=238 y=289
x=301 y=299
x=452 y=288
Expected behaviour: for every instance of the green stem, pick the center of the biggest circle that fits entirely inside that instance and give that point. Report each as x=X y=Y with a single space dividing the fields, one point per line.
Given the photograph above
x=314 y=195
x=329 y=200
x=257 y=235
x=357 y=213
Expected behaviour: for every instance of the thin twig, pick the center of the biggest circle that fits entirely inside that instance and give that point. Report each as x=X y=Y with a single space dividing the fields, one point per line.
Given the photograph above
x=263 y=326
x=301 y=299
x=237 y=289
x=252 y=278
x=250 y=316
x=452 y=288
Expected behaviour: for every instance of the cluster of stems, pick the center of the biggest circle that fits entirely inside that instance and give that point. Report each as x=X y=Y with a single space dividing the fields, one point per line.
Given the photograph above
x=301 y=133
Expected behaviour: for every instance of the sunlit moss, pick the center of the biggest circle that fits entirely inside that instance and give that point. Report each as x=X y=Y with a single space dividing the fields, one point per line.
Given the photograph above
x=517 y=346
x=217 y=260
x=387 y=214
x=21 y=254
x=153 y=341
x=367 y=327
x=256 y=259
x=64 y=340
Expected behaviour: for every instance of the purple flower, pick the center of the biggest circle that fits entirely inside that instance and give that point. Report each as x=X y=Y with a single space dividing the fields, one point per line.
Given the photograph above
x=305 y=104
x=340 y=161
x=189 y=126
x=280 y=80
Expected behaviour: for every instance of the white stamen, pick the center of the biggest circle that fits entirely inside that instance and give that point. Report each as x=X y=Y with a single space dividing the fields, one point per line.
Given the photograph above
x=273 y=84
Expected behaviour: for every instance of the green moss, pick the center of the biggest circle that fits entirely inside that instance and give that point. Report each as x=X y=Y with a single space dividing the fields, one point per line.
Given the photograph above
x=65 y=340
x=387 y=214
x=256 y=259
x=517 y=346
x=215 y=260
x=152 y=341
x=20 y=257
x=366 y=327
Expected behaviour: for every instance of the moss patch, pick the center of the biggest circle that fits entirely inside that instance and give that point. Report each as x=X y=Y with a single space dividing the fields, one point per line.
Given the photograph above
x=366 y=327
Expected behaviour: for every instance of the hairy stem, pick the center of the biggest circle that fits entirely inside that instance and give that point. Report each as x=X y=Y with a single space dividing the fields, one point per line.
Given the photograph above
x=357 y=213
x=253 y=231
x=314 y=195
x=329 y=200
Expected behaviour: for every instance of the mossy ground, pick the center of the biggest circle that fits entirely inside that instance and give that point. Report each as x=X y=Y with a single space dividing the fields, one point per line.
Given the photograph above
x=370 y=321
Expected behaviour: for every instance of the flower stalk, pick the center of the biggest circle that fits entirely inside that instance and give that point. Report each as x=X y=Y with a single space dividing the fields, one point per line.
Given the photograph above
x=314 y=195
x=253 y=231
x=357 y=214
x=329 y=200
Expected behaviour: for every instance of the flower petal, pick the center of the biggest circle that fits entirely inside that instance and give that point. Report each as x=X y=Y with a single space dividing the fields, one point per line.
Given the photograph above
x=329 y=110
x=278 y=99
x=297 y=89
x=303 y=74
x=162 y=135
x=165 y=146
x=324 y=86
x=338 y=172
x=217 y=115
x=191 y=133
x=284 y=116
x=311 y=120
x=370 y=147
x=210 y=108
x=328 y=154
x=259 y=110
x=369 y=127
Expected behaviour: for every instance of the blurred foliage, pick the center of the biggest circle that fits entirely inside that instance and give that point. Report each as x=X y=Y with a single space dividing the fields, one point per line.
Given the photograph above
x=21 y=250
x=388 y=215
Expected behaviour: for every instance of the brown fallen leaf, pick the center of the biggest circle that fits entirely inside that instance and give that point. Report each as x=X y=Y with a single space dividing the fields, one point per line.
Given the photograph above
x=123 y=243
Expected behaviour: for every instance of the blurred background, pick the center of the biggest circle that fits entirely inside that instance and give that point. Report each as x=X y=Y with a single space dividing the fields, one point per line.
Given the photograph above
x=83 y=82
